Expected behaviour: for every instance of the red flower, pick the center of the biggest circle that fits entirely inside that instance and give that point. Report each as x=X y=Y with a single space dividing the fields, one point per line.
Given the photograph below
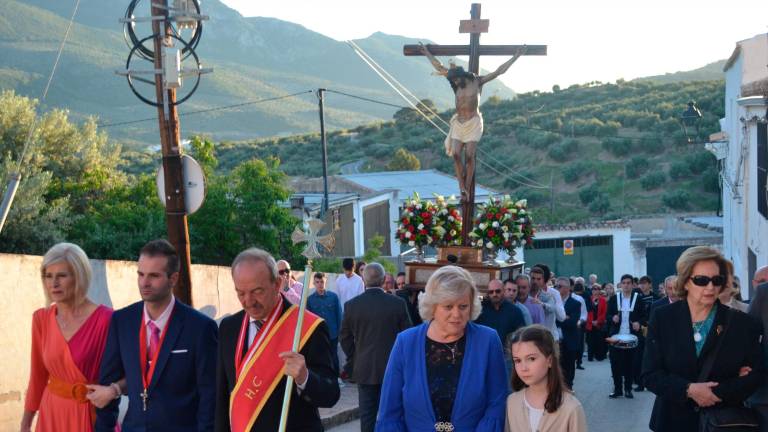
x=498 y=216
x=423 y=232
x=424 y=214
x=411 y=228
x=491 y=233
x=405 y=221
x=489 y=215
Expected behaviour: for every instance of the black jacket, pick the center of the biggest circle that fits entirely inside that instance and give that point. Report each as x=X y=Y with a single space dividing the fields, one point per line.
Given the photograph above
x=371 y=323
x=636 y=315
x=571 y=339
x=322 y=388
x=670 y=363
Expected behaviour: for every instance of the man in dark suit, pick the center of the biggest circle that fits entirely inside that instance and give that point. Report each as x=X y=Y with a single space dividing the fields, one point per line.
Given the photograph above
x=165 y=350
x=371 y=323
x=669 y=290
x=571 y=339
x=624 y=316
x=255 y=356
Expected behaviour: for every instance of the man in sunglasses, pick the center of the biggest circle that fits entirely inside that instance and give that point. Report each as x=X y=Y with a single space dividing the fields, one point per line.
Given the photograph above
x=289 y=287
x=501 y=315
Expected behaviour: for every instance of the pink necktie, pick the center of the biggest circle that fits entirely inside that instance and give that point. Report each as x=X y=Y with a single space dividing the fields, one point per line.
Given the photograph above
x=154 y=339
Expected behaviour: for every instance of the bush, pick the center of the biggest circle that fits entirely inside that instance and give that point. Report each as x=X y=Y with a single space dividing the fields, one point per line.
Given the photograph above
x=618 y=146
x=575 y=171
x=679 y=170
x=678 y=199
x=636 y=166
x=700 y=162
x=588 y=194
x=652 y=144
x=563 y=151
x=711 y=181
x=600 y=204
x=653 y=180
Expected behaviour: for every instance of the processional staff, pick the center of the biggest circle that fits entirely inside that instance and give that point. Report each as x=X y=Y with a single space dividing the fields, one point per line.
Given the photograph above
x=312 y=238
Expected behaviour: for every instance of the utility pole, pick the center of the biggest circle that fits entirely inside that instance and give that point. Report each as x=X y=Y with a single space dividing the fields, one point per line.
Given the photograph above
x=170 y=139
x=551 y=194
x=324 y=142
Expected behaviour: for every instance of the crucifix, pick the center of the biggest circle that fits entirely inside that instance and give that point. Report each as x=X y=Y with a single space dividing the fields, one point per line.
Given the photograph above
x=467 y=123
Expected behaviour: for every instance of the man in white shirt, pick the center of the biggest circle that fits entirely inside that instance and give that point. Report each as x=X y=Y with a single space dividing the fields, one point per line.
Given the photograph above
x=549 y=299
x=348 y=285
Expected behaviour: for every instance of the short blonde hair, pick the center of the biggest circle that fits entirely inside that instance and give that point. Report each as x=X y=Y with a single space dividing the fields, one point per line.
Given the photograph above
x=695 y=255
x=446 y=284
x=78 y=263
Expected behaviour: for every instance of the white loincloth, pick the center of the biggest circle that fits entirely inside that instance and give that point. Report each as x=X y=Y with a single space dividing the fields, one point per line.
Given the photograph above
x=468 y=131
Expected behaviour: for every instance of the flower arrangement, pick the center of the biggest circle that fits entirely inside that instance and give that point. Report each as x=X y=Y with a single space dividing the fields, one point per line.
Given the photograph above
x=417 y=225
x=448 y=220
x=503 y=224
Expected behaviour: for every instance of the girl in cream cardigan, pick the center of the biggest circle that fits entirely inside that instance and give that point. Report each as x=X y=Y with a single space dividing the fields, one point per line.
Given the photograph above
x=541 y=402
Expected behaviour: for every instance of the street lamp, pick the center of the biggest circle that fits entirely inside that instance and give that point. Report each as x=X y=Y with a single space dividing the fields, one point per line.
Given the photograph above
x=691 y=119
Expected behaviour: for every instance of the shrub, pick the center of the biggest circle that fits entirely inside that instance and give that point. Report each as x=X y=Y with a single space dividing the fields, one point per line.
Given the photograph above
x=636 y=166
x=618 y=146
x=678 y=199
x=653 y=180
x=563 y=151
x=679 y=170
x=600 y=204
x=588 y=194
x=651 y=144
x=575 y=171
x=700 y=162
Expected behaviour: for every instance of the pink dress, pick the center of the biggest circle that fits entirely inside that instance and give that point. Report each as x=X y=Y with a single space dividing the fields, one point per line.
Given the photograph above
x=76 y=361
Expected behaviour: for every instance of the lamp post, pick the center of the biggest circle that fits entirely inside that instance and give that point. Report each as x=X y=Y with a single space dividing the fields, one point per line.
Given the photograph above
x=691 y=119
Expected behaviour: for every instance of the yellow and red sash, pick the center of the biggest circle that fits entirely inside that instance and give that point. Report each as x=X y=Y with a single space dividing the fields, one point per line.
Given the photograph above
x=260 y=369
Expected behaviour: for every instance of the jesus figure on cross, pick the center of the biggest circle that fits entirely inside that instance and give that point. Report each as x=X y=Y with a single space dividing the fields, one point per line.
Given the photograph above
x=467 y=122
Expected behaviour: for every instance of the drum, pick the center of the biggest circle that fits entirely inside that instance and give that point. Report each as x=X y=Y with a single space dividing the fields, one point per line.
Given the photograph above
x=625 y=341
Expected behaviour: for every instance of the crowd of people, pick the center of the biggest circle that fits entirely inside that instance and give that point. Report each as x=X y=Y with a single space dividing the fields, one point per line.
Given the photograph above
x=445 y=357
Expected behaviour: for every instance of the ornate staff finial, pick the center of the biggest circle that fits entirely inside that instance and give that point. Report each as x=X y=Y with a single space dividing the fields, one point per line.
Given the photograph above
x=312 y=238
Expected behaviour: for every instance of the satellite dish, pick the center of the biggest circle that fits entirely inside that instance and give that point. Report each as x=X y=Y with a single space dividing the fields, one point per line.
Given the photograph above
x=194 y=184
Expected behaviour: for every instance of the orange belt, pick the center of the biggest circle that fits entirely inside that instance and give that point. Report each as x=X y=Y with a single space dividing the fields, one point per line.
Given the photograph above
x=76 y=391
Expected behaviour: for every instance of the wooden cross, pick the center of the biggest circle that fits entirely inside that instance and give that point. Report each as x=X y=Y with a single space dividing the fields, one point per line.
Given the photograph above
x=474 y=26
x=312 y=238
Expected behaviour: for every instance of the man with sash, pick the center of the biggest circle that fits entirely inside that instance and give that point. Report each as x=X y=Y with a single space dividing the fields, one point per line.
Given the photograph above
x=165 y=350
x=625 y=312
x=254 y=356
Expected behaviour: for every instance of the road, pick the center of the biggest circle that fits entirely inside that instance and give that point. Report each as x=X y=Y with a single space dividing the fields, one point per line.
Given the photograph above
x=592 y=386
x=352 y=167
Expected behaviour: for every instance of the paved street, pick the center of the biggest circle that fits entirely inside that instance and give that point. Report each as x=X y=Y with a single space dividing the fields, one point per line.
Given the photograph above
x=592 y=386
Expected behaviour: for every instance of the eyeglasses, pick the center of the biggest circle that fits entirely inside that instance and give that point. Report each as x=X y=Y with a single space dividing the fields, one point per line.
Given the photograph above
x=702 y=281
x=494 y=291
x=284 y=271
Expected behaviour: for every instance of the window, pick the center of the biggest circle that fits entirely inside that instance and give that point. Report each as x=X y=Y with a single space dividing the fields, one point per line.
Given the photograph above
x=762 y=169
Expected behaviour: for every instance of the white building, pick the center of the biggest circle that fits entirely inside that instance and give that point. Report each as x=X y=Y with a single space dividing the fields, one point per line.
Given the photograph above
x=742 y=149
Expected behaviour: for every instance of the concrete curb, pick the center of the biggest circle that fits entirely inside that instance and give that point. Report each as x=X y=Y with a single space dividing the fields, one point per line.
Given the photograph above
x=341 y=418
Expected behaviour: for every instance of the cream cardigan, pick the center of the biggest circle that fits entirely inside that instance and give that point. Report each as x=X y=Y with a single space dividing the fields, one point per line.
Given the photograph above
x=568 y=418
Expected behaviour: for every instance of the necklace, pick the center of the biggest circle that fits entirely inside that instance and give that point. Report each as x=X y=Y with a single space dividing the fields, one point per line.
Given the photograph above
x=452 y=346
x=697 y=330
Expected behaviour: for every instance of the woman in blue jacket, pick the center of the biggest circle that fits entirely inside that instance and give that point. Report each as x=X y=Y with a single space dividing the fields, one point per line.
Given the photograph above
x=447 y=374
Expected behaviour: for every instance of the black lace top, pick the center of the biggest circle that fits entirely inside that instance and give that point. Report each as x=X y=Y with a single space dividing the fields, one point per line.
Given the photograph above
x=443 y=369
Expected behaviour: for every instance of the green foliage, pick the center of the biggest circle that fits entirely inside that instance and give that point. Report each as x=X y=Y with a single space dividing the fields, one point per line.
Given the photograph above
x=404 y=161
x=677 y=199
x=700 y=162
x=589 y=193
x=327 y=265
x=577 y=170
x=373 y=253
x=618 y=146
x=653 y=180
x=564 y=150
x=600 y=204
x=711 y=181
x=679 y=170
x=636 y=166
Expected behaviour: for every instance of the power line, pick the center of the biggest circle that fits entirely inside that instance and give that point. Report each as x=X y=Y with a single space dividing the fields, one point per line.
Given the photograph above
x=366 y=99
x=219 y=108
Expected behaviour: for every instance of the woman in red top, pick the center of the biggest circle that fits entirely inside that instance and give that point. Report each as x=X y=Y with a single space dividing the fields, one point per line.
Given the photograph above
x=68 y=339
x=595 y=326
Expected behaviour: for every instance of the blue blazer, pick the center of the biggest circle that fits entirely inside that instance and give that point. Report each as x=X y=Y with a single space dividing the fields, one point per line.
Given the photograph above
x=480 y=399
x=183 y=387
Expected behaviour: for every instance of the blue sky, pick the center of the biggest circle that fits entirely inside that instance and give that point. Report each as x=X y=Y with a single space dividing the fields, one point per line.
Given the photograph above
x=588 y=40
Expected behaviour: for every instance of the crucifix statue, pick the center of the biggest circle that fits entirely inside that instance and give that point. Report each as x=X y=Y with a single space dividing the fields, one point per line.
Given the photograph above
x=466 y=126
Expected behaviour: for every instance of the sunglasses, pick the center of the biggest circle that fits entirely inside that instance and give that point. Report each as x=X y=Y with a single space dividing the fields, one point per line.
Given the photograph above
x=702 y=281
x=284 y=271
x=494 y=291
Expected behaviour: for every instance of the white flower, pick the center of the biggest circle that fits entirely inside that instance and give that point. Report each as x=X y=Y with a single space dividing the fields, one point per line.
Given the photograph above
x=505 y=228
x=505 y=235
x=451 y=218
x=489 y=245
x=522 y=220
x=513 y=211
x=521 y=203
x=418 y=206
x=495 y=224
x=453 y=232
x=411 y=243
x=429 y=239
x=408 y=234
x=421 y=226
x=523 y=242
x=482 y=226
x=479 y=243
x=507 y=216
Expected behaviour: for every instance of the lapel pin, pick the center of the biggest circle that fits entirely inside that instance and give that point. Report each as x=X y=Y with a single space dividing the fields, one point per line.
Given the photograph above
x=719 y=329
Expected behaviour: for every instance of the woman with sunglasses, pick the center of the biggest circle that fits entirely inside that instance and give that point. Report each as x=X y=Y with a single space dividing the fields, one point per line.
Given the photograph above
x=682 y=336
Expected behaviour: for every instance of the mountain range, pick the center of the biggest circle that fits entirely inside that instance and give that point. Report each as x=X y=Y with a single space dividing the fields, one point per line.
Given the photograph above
x=253 y=58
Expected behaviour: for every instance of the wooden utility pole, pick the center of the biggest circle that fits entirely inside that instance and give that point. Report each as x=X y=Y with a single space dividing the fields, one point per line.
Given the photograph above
x=170 y=139
x=324 y=143
x=475 y=27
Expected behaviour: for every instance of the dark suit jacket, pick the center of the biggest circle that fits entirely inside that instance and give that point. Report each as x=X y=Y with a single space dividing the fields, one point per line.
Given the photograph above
x=371 y=323
x=758 y=308
x=670 y=363
x=322 y=388
x=636 y=315
x=664 y=301
x=182 y=390
x=571 y=339
x=413 y=308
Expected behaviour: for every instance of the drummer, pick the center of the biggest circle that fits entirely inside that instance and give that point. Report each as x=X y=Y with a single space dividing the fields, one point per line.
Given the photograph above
x=625 y=312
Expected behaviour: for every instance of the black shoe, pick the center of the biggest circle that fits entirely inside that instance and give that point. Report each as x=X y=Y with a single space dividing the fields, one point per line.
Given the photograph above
x=628 y=394
x=615 y=394
x=579 y=367
x=639 y=388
